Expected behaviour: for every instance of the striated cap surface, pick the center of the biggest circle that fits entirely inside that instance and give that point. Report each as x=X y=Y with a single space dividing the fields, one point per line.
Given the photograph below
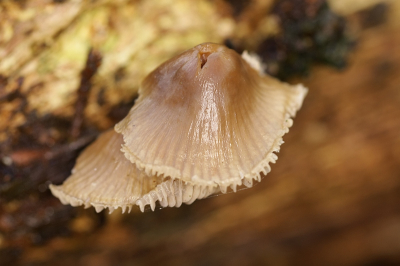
x=208 y=117
x=104 y=178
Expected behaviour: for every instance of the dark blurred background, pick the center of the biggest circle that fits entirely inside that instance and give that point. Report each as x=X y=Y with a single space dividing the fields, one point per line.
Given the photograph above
x=69 y=70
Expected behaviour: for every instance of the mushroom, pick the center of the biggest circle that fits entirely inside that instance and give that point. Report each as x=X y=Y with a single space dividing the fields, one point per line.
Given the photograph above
x=104 y=178
x=208 y=116
x=205 y=120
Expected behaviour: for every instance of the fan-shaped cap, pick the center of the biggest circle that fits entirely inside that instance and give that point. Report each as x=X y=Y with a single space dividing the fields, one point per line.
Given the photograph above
x=104 y=178
x=173 y=193
x=208 y=117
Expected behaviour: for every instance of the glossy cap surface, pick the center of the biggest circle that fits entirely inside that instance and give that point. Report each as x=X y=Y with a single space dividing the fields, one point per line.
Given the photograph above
x=208 y=117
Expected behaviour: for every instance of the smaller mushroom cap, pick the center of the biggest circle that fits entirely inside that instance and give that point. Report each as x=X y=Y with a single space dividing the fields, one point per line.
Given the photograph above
x=208 y=116
x=173 y=193
x=104 y=178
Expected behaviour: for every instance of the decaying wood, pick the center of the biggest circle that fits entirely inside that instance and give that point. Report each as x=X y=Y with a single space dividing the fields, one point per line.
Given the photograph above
x=92 y=64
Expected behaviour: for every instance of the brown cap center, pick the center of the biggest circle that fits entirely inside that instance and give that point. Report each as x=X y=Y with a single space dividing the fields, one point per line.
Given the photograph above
x=205 y=50
x=203 y=58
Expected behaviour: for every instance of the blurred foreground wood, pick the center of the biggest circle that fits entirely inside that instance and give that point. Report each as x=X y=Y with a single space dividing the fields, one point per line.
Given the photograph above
x=333 y=198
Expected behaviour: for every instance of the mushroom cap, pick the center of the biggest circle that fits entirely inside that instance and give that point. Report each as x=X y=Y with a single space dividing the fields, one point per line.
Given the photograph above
x=173 y=193
x=208 y=117
x=104 y=178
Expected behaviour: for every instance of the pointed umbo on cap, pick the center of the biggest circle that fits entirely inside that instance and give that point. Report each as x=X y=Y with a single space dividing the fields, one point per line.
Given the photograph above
x=210 y=117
